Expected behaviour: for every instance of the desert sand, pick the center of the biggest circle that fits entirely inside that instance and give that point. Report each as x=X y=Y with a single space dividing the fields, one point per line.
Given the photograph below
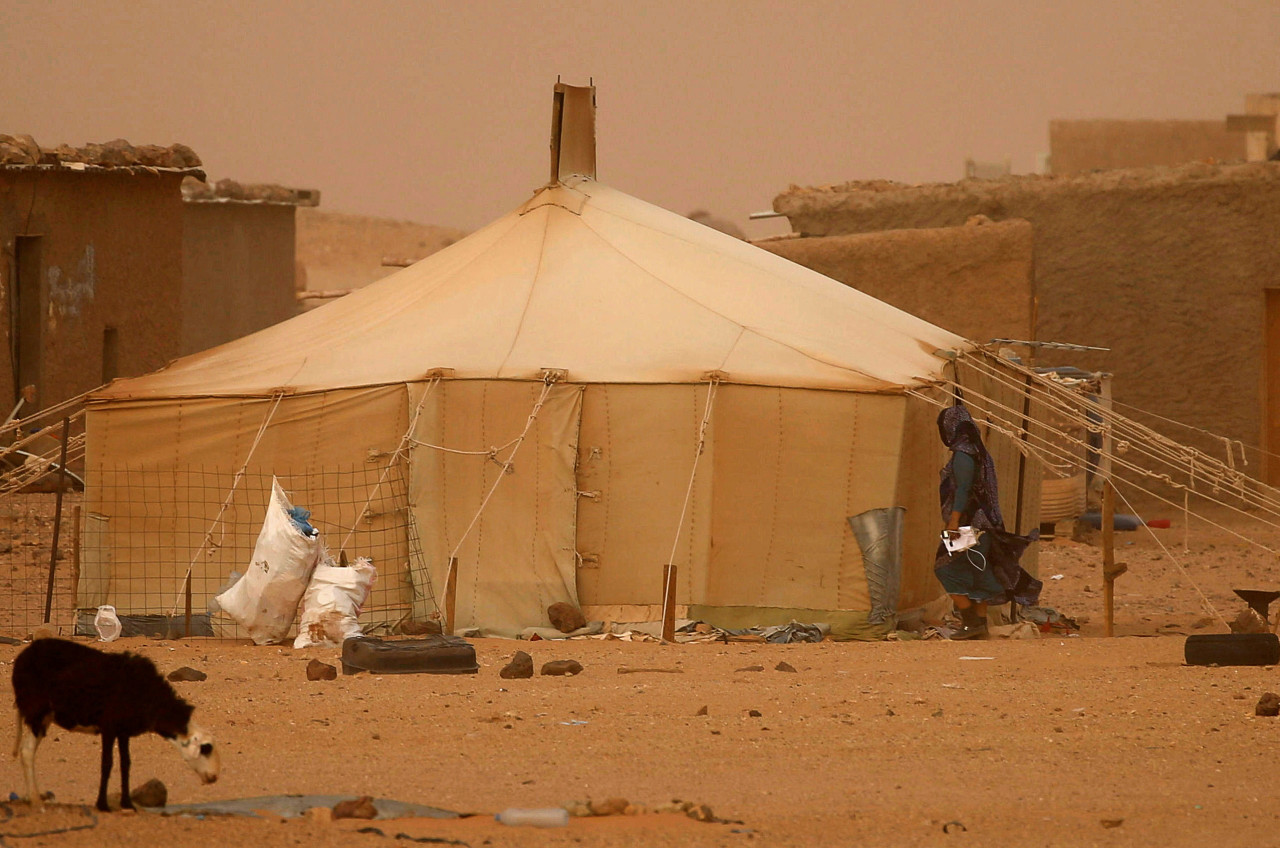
x=1064 y=740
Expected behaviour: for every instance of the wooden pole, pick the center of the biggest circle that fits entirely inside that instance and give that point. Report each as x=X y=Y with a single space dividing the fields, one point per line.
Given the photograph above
x=1022 y=474
x=75 y=554
x=1108 y=554
x=186 y=634
x=1110 y=568
x=450 y=595
x=57 y=518
x=669 y=603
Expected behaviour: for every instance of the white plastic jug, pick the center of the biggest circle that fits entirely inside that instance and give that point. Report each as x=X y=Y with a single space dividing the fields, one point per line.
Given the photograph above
x=107 y=623
x=545 y=817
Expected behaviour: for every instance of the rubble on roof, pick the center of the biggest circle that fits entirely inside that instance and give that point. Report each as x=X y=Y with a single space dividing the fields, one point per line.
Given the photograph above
x=195 y=190
x=20 y=150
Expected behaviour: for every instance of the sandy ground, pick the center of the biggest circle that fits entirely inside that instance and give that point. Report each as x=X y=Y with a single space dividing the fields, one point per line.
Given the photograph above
x=1064 y=741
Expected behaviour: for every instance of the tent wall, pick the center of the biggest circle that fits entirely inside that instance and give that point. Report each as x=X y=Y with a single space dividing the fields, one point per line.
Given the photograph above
x=634 y=462
x=790 y=467
x=518 y=558
x=160 y=471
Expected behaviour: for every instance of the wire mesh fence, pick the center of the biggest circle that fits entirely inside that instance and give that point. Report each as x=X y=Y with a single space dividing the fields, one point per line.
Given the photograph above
x=159 y=546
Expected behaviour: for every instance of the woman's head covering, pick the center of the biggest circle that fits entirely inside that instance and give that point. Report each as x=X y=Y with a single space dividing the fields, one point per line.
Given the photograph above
x=958 y=432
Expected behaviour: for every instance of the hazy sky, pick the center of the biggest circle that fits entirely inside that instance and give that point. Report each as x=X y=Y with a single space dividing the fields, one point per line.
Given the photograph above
x=440 y=112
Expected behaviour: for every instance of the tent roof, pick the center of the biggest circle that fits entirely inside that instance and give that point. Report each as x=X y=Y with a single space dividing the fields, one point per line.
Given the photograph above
x=587 y=279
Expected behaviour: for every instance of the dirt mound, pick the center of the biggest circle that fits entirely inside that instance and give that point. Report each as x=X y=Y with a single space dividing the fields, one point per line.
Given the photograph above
x=341 y=251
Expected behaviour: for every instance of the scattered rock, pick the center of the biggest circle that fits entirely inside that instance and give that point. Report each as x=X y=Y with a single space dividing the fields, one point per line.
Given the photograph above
x=1249 y=621
x=153 y=793
x=702 y=711
x=566 y=617
x=562 y=668
x=578 y=809
x=784 y=666
x=750 y=668
x=320 y=815
x=187 y=674
x=1268 y=705
x=420 y=628
x=359 y=808
x=608 y=807
x=754 y=713
x=521 y=666
x=317 y=670
x=700 y=812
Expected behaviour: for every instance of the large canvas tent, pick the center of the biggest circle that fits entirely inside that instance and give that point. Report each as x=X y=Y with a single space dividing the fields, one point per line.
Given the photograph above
x=577 y=394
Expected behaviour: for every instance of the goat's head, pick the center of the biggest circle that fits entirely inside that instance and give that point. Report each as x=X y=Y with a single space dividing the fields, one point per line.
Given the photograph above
x=199 y=752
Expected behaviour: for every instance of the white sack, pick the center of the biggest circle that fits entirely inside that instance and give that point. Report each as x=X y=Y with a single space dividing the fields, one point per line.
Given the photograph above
x=331 y=606
x=265 y=600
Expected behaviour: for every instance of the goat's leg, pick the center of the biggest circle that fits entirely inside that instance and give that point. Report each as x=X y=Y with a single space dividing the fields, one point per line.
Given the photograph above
x=28 y=742
x=126 y=803
x=108 y=743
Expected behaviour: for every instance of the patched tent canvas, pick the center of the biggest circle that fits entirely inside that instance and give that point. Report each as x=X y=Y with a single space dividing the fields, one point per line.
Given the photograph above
x=600 y=327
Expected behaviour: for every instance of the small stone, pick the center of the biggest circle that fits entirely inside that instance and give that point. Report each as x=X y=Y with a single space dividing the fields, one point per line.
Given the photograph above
x=187 y=674
x=608 y=807
x=783 y=666
x=890 y=712
x=754 y=713
x=1268 y=705
x=153 y=793
x=317 y=670
x=702 y=711
x=700 y=812
x=420 y=628
x=750 y=668
x=562 y=668
x=320 y=815
x=358 y=808
x=1110 y=823
x=566 y=617
x=521 y=666
x=937 y=713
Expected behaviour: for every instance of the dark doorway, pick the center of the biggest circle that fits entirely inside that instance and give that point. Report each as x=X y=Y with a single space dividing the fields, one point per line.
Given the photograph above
x=110 y=354
x=27 y=330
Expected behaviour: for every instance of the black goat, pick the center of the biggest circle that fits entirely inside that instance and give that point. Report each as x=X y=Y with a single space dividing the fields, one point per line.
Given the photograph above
x=115 y=696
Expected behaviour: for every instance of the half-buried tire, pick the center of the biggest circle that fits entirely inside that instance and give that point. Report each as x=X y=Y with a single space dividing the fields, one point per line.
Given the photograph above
x=1233 y=649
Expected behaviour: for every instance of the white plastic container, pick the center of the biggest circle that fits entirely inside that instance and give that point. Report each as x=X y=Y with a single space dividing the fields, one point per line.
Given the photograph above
x=543 y=817
x=107 y=623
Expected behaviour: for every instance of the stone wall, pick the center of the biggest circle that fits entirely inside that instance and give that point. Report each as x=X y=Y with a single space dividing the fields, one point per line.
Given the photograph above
x=1078 y=146
x=1167 y=267
x=109 y=245
x=238 y=270
x=974 y=280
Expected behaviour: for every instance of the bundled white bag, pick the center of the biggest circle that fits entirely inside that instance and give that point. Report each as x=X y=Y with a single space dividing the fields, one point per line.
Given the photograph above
x=331 y=606
x=264 y=600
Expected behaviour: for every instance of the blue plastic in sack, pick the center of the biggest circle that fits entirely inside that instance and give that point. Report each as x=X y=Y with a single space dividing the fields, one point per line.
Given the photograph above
x=299 y=517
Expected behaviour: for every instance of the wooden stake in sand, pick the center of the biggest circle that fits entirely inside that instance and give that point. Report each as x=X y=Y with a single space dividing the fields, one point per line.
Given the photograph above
x=1110 y=568
x=450 y=595
x=669 y=603
x=57 y=517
